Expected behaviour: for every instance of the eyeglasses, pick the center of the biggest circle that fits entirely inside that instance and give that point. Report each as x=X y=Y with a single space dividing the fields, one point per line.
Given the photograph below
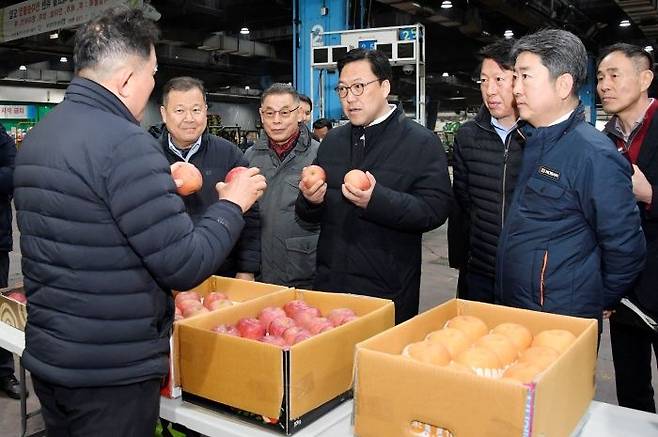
x=356 y=88
x=284 y=113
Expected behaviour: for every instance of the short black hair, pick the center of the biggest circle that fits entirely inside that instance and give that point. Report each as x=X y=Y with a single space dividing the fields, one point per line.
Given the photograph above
x=378 y=62
x=306 y=99
x=182 y=83
x=322 y=122
x=280 y=88
x=642 y=59
x=560 y=51
x=118 y=32
x=499 y=52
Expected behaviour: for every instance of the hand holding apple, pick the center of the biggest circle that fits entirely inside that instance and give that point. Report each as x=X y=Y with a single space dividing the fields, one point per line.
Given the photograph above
x=244 y=188
x=356 y=190
x=187 y=178
x=313 y=185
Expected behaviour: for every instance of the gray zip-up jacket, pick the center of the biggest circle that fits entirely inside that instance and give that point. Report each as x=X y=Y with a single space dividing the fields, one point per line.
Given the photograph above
x=288 y=244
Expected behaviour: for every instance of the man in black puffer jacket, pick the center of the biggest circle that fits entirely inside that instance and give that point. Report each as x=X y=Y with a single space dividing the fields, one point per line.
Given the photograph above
x=185 y=138
x=104 y=238
x=8 y=381
x=487 y=157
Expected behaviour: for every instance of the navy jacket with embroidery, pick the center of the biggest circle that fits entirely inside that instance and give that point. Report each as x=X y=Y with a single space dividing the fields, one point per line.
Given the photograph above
x=572 y=242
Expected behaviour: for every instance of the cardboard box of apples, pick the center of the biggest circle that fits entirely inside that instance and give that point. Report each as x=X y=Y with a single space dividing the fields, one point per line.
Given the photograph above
x=211 y=295
x=286 y=357
x=13 y=309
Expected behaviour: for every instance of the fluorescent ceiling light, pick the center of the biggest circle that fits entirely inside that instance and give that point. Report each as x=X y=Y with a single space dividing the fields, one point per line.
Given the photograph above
x=22 y=68
x=54 y=35
x=244 y=31
x=624 y=23
x=447 y=4
x=63 y=59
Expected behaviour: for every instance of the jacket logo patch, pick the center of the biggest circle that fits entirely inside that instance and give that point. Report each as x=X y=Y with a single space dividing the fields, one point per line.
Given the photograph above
x=545 y=171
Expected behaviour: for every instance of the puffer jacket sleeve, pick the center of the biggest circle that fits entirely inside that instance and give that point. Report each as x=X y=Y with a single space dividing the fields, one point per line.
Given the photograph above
x=610 y=208
x=142 y=198
x=7 y=156
x=428 y=202
x=459 y=219
x=247 y=250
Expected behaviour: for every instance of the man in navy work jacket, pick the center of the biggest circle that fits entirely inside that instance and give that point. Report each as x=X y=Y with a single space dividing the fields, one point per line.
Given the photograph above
x=185 y=138
x=572 y=242
x=105 y=237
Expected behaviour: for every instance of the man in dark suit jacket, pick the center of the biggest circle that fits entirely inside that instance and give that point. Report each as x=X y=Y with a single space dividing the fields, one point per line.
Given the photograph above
x=8 y=382
x=625 y=73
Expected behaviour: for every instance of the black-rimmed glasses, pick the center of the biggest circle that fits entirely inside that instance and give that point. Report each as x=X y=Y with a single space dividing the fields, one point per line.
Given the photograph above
x=356 y=88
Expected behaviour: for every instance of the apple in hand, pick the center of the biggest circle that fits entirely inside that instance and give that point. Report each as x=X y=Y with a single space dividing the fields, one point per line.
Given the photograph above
x=233 y=173
x=312 y=174
x=187 y=177
x=358 y=179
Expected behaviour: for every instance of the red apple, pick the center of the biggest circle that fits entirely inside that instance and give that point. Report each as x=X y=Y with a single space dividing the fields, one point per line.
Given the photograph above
x=233 y=173
x=251 y=328
x=318 y=325
x=268 y=314
x=213 y=297
x=226 y=329
x=187 y=295
x=189 y=303
x=304 y=335
x=279 y=326
x=17 y=296
x=338 y=315
x=312 y=174
x=219 y=304
x=293 y=306
x=275 y=340
x=357 y=179
x=189 y=177
x=291 y=333
x=305 y=315
x=194 y=310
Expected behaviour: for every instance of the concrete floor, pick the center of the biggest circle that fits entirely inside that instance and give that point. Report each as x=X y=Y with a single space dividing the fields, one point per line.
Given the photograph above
x=438 y=285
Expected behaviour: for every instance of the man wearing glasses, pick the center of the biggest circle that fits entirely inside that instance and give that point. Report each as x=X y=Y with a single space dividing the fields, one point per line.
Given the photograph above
x=288 y=245
x=370 y=239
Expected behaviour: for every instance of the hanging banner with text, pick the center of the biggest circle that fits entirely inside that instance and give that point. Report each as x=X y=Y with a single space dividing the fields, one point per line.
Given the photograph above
x=40 y=16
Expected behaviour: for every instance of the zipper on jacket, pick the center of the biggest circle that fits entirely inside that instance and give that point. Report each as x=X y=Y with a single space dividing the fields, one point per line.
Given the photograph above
x=505 y=156
x=542 y=277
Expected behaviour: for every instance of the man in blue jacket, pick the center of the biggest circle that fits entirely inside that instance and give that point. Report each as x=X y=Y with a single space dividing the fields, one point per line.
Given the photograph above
x=572 y=242
x=105 y=237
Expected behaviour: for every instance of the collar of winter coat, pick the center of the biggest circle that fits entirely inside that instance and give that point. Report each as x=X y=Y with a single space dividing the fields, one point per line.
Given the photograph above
x=88 y=92
x=552 y=133
x=162 y=134
x=303 y=142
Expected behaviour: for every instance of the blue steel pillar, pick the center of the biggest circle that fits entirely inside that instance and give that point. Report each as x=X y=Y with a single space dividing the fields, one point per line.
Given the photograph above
x=310 y=18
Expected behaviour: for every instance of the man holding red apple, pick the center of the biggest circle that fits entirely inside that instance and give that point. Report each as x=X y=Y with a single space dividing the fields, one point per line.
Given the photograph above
x=372 y=221
x=105 y=237
x=185 y=139
x=288 y=245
